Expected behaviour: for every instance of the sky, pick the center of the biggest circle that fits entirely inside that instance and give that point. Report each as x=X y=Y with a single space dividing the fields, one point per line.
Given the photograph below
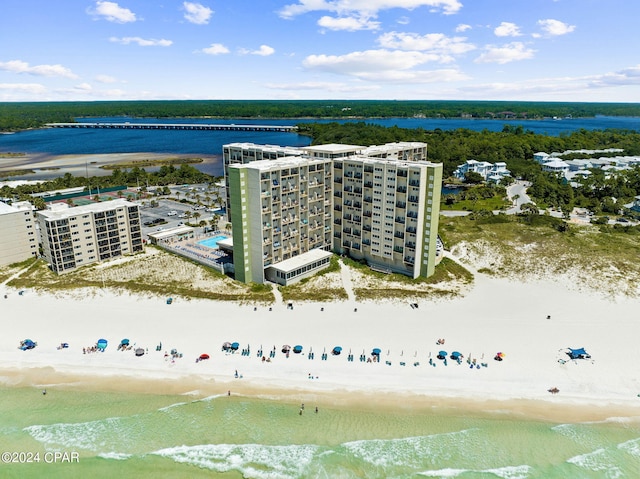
x=528 y=50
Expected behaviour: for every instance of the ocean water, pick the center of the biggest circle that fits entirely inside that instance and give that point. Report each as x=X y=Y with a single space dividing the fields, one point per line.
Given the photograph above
x=144 y=436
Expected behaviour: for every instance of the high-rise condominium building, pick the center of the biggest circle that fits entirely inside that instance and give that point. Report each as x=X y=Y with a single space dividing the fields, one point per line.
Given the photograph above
x=74 y=237
x=287 y=213
x=18 y=238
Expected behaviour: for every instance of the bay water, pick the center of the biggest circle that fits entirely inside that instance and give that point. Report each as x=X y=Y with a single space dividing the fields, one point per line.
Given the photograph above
x=153 y=435
x=47 y=142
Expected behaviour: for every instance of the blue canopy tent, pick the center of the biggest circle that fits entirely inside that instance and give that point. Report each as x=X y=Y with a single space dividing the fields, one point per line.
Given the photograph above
x=27 y=344
x=578 y=353
x=102 y=344
x=336 y=350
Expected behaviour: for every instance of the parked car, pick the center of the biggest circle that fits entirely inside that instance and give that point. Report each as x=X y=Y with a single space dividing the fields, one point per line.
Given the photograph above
x=172 y=213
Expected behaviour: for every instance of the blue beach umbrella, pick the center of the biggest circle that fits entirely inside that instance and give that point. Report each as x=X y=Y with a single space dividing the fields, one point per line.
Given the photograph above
x=376 y=351
x=455 y=355
x=124 y=342
x=297 y=349
x=337 y=350
x=235 y=346
x=442 y=355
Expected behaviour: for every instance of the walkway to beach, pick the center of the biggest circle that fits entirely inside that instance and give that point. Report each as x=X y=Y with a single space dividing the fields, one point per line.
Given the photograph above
x=346 y=281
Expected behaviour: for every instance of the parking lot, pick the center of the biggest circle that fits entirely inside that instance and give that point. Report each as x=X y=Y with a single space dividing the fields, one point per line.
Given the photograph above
x=159 y=217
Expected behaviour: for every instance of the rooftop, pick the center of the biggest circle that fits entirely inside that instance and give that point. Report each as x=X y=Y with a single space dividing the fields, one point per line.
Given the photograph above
x=91 y=208
x=301 y=260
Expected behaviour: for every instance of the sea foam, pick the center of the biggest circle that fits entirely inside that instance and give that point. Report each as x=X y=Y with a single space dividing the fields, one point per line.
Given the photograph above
x=251 y=460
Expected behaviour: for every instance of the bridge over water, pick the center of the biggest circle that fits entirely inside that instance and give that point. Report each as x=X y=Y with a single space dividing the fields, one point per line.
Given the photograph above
x=177 y=126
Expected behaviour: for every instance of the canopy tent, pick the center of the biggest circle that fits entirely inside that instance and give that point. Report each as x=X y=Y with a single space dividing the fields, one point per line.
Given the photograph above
x=578 y=353
x=27 y=344
x=102 y=344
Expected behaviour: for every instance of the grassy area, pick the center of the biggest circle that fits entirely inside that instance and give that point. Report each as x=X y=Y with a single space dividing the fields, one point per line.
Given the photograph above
x=7 y=271
x=324 y=287
x=495 y=203
x=155 y=273
x=10 y=173
x=448 y=281
x=598 y=257
x=151 y=162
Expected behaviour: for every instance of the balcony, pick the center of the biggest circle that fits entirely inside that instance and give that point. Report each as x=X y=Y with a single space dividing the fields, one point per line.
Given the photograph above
x=399 y=220
x=401 y=189
x=414 y=183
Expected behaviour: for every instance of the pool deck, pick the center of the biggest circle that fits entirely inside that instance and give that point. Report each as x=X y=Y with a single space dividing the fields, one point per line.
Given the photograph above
x=189 y=248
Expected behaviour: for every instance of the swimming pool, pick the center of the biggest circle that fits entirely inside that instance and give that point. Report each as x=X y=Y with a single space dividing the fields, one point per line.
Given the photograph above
x=212 y=242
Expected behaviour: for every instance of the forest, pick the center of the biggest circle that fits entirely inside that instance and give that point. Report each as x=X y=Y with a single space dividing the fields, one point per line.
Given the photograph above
x=515 y=146
x=16 y=116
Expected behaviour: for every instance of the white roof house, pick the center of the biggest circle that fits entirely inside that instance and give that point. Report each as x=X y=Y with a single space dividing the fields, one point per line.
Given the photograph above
x=489 y=171
x=555 y=166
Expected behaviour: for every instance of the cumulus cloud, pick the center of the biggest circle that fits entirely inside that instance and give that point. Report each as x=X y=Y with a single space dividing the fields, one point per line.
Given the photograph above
x=507 y=29
x=112 y=12
x=105 y=79
x=263 y=51
x=18 y=66
x=197 y=13
x=366 y=7
x=434 y=42
x=383 y=66
x=554 y=28
x=215 y=49
x=323 y=86
x=350 y=24
x=143 y=42
x=31 y=88
x=463 y=27
x=627 y=76
x=510 y=52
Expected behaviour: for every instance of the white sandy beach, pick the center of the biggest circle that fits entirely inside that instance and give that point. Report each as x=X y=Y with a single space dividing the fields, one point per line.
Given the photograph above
x=496 y=315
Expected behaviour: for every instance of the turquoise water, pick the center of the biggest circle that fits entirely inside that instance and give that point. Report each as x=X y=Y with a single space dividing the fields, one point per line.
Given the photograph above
x=136 y=435
x=212 y=242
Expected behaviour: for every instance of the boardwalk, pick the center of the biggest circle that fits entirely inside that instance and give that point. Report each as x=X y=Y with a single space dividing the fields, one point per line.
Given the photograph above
x=177 y=126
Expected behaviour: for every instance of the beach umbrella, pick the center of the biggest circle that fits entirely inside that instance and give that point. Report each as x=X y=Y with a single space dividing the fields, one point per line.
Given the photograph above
x=124 y=342
x=139 y=352
x=102 y=343
x=376 y=351
x=442 y=355
x=337 y=350
x=204 y=356
x=235 y=346
x=226 y=346
x=286 y=348
x=297 y=349
x=455 y=355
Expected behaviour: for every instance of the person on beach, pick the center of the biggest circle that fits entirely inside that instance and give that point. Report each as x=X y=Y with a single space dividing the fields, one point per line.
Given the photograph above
x=316 y=409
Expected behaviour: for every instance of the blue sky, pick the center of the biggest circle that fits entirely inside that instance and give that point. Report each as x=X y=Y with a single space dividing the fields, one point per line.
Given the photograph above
x=558 y=50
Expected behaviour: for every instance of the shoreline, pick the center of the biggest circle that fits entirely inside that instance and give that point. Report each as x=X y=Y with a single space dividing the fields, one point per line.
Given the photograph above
x=198 y=388
x=496 y=315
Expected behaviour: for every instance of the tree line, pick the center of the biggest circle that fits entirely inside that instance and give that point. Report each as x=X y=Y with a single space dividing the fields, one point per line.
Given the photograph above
x=16 y=116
